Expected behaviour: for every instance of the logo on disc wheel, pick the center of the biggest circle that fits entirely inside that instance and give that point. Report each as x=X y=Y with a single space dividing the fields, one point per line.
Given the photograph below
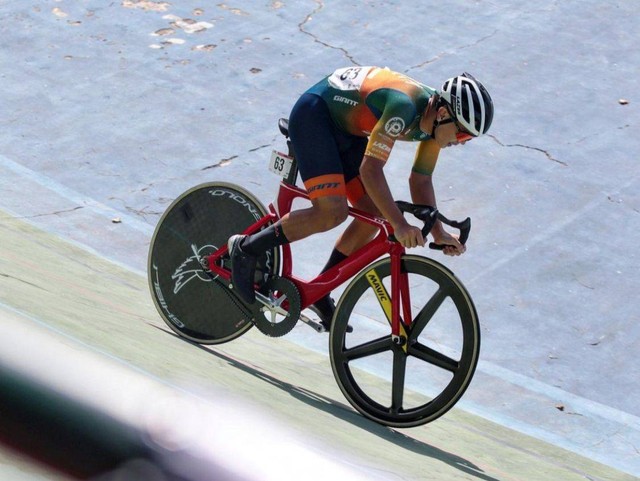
x=191 y=268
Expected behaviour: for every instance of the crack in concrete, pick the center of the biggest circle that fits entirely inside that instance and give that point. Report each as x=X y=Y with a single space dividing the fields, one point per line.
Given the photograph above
x=579 y=141
x=529 y=147
x=227 y=161
x=143 y=212
x=583 y=284
x=222 y=163
x=442 y=54
x=620 y=201
x=144 y=189
x=307 y=19
x=259 y=147
x=58 y=212
x=7 y=276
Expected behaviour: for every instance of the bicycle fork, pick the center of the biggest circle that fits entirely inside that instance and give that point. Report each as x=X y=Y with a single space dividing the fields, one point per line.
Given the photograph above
x=391 y=304
x=399 y=296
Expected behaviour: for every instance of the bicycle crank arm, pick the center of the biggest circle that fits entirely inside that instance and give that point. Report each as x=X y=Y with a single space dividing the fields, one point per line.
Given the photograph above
x=280 y=309
x=269 y=304
x=313 y=324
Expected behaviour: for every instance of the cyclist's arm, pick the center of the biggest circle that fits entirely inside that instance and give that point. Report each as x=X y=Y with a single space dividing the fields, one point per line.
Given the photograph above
x=397 y=111
x=420 y=181
x=378 y=150
x=423 y=192
x=372 y=176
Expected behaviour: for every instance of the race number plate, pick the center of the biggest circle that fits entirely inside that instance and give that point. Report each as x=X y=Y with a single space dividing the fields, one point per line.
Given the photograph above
x=349 y=78
x=280 y=164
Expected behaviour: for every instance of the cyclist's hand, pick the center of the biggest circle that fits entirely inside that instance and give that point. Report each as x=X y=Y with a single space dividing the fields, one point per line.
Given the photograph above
x=408 y=235
x=450 y=241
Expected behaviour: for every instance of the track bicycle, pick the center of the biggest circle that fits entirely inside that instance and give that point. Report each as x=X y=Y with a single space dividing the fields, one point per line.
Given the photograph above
x=415 y=340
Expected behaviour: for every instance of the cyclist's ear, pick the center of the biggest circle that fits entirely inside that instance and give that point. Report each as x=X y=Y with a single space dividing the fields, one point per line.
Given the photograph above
x=443 y=113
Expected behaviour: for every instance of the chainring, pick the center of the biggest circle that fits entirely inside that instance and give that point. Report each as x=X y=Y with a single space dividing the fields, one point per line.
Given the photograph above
x=280 y=314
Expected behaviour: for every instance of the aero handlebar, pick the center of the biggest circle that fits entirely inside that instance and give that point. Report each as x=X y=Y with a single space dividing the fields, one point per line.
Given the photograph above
x=428 y=215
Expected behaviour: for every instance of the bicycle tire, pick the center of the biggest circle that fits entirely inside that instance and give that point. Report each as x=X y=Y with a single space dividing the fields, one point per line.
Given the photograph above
x=194 y=304
x=442 y=348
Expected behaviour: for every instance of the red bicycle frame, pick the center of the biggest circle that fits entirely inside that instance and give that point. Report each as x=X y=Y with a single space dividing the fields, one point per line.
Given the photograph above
x=311 y=291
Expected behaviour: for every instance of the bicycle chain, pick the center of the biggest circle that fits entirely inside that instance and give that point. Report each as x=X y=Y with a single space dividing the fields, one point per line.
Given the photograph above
x=257 y=315
x=249 y=315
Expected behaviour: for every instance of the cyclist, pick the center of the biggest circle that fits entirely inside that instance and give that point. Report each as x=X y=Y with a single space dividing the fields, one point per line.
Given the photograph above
x=343 y=130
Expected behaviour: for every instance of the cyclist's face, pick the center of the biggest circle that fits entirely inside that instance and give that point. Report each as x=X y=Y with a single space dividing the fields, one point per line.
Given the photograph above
x=451 y=133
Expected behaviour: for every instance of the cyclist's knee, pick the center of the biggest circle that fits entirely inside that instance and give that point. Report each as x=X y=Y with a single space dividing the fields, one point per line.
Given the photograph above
x=338 y=216
x=366 y=204
x=330 y=212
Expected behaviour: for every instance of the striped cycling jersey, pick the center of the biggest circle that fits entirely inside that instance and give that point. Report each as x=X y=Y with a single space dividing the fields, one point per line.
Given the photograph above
x=382 y=104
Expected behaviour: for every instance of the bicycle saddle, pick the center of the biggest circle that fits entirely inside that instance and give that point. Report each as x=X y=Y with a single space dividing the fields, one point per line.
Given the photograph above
x=283 y=125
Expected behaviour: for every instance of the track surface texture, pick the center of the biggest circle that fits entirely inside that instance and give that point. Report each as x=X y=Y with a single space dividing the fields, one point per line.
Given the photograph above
x=110 y=110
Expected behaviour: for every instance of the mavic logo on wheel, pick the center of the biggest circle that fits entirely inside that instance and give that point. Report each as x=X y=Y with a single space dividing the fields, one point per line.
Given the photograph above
x=381 y=292
x=384 y=300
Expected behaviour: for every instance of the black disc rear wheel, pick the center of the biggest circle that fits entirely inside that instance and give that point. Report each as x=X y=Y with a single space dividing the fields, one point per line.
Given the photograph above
x=195 y=304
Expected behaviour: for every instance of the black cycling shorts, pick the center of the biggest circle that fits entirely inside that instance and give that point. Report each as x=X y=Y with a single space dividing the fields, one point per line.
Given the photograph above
x=328 y=158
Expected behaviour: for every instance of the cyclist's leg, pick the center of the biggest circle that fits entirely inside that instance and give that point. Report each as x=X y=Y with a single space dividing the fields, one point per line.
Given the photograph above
x=312 y=134
x=324 y=214
x=315 y=142
x=358 y=233
x=355 y=236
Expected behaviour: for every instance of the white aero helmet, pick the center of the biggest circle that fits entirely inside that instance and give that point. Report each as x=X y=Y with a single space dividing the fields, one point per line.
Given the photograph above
x=469 y=103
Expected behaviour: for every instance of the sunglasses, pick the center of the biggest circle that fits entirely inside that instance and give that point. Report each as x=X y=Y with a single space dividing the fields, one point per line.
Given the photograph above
x=461 y=135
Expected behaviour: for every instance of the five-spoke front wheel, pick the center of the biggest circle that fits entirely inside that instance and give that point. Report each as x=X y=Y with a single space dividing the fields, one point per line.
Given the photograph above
x=418 y=376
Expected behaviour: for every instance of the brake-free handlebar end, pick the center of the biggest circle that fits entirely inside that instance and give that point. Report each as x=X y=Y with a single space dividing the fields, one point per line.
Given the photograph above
x=426 y=213
x=464 y=227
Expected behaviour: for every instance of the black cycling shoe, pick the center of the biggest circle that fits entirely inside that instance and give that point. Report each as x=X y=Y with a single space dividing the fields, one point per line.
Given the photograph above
x=324 y=309
x=243 y=269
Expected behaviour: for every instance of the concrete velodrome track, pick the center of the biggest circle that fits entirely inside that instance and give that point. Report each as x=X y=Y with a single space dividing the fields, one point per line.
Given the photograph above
x=109 y=110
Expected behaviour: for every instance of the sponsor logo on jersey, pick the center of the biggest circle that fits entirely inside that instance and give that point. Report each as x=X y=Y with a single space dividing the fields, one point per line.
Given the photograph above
x=345 y=100
x=394 y=126
x=381 y=146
